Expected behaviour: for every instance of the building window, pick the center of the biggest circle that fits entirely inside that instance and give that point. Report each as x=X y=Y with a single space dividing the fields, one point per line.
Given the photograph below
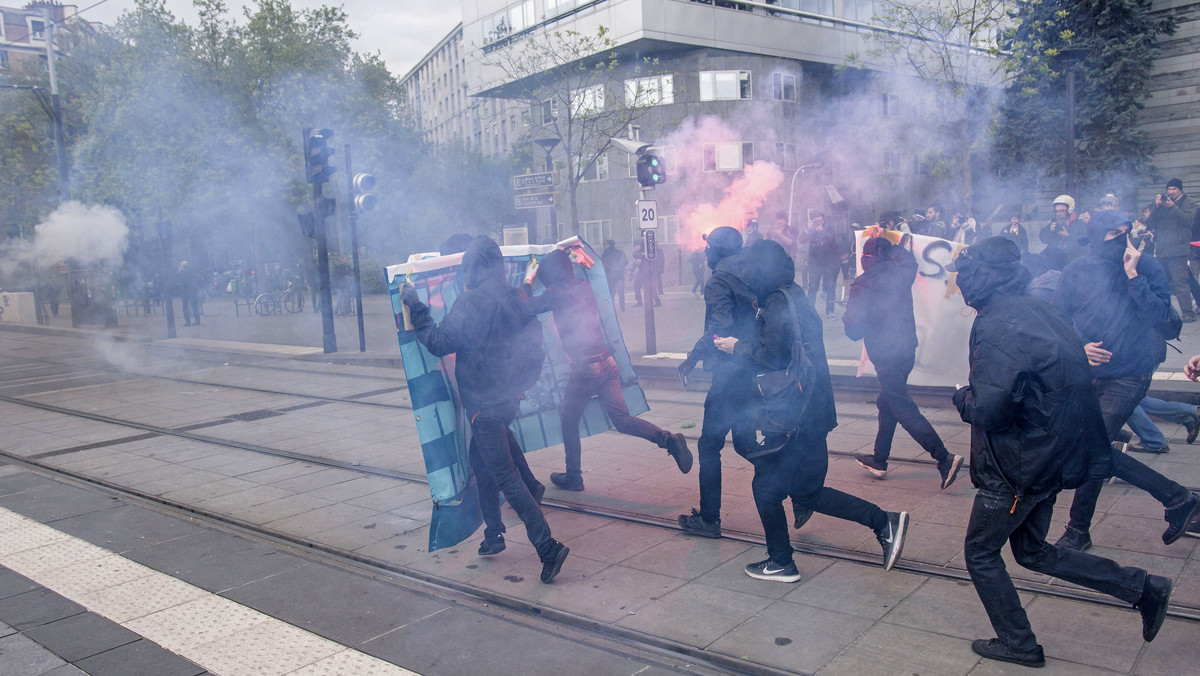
x=824 y=7
x=556 y=7
x=858 y=10
x=547 y=112
x=891 y=105
x=891 y=162
x=512 y=20
x=525 y=117
x=668 y=230
x=587 y=101
x=788 y=155
x=596 y=231
x=724 y=85
x=784 y=87
x=650 y=91
x=599 y=169
x=37 y=29
x=728 y=156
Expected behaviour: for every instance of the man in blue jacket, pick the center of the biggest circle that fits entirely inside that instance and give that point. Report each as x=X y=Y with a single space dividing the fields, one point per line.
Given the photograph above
x=1118 y=301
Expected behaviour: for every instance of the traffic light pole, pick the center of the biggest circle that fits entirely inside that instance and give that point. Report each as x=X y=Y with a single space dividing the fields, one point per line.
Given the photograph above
x=329 y=340
x=362 y=336
x=164 y=243
x=649 y=292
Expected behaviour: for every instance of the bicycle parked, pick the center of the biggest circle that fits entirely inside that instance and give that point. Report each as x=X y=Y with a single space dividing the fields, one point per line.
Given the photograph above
x=289 y=299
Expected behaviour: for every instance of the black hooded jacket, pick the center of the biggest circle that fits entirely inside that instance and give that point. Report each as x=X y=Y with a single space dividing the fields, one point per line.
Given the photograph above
x=479 y=329
x=1036 y=425
x=574 y=305
x=770 y=269
x=1106 y=306
x=728 y=304
x=879 y=307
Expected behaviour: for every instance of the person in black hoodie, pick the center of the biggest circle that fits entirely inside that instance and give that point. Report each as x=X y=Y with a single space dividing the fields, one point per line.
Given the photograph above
x=1119 y=300
x=798 y=469
x=879 y=311
x=1036 y=429
x=480 y=330
x=728 y=311
x=593 y=369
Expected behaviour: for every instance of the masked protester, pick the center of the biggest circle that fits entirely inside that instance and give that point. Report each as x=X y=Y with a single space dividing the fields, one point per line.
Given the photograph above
x=1119 y=301
x=879 y=311
x=481 y=330
x=593 y=369
x=1036 y=429
x=728 y=311
x=798 y=468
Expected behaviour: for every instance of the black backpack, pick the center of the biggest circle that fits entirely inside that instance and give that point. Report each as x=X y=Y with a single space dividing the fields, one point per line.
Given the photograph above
x=526 y=349
x=785 y=393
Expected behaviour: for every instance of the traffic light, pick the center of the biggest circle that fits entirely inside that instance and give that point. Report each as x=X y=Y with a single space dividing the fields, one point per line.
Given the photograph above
x=650 y=171
x=363 y=185
x=316 y=155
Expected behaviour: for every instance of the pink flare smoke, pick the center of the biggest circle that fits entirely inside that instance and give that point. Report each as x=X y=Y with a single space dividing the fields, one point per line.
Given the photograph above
x=742 y=200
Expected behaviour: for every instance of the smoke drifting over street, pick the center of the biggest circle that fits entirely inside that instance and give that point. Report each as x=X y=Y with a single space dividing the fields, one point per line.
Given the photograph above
x=88 y=234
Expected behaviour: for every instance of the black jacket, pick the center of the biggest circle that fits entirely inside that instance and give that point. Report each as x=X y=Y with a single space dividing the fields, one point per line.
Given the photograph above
x=479 y=329
x=1036 y=425
x=728 y=311
x=576 y=314
x=1124 y=314
x=879 y=309
x=771 y=269
x=1172 y=227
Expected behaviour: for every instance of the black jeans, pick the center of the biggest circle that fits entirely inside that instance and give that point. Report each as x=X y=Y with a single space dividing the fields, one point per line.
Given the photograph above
x=896 y=405
x=798 y=471
x=616 y=286
x=996 y=520
x=600 y=378
x=728 y=406
x=1118 y=397
x=1179 y=277
x=500 y=467
x=191 y=307
x=824 y=273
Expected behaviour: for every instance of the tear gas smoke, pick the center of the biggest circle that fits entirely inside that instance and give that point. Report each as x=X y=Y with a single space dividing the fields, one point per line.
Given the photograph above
x=88 y=234
x=741 y=202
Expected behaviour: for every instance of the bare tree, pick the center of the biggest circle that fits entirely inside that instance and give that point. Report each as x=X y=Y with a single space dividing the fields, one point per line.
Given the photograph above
x=951 y=46
x=582 y=92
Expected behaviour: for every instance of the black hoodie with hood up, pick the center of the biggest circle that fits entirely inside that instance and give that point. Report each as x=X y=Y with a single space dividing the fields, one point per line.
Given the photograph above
x=1036 y=425
x=770 y=269
x=574 y=305
x=480 y=329
x=879 y=305
x=728 y=304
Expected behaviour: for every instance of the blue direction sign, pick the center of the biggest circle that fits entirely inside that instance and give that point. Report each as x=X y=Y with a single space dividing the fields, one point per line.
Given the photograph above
x=542 y=199
x=542 y=180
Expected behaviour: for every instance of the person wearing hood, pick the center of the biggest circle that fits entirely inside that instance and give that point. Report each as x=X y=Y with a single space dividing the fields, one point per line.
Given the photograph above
x=879 y=311
x=481 y=330
x=593 y=369
x=798 y=469
x=728 y=311
x=1036 y=429
x=1118 y=300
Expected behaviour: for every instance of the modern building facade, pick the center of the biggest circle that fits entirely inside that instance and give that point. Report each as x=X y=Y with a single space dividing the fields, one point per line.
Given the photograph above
x=23 y=31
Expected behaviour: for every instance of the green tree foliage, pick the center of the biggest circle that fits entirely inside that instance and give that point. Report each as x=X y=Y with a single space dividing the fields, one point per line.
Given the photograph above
x=1118 y=39
x=201 y=126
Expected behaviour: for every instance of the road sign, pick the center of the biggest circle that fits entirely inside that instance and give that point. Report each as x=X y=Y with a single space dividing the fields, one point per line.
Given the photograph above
x=542 y=199
x=542 y=180
x=647 y=214
x=648 y=241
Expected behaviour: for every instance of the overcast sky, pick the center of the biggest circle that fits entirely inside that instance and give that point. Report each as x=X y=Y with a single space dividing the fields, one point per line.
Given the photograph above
x=402 y=31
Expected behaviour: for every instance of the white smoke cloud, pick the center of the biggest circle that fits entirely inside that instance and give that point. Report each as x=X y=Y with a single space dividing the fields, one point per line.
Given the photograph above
x=89 y=234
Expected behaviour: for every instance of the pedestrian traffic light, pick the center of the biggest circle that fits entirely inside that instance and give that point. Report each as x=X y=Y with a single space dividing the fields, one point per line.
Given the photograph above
x=363 y=185
x=650 y=170
x=308 y=223
x=316 y=155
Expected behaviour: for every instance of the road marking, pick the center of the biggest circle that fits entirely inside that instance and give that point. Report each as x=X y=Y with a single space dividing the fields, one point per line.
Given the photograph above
x=220 y=635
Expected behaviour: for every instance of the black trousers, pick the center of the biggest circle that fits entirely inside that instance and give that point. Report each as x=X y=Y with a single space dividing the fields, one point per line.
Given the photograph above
x=727 y=407
x=896 y=405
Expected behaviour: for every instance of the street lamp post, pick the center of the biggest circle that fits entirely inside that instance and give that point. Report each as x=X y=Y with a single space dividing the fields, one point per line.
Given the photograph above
x=1071 y=58
x=792 y=190
x=548 y=145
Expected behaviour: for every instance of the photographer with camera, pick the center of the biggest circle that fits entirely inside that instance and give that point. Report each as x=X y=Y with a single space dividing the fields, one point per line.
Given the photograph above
x=1171 y=222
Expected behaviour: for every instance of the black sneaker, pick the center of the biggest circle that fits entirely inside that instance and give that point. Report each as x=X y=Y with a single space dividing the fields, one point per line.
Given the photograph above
x=1156 y=595
x=553 y=563
x=801 y=515
x=491 y=546
x=1073 y=539
x=765 y=570
x=867 y=462
x=948 y=468
x=677 y=448
x=892 y=538
x=1179 y=517
x=995 y=649
x=567 y=482
x=694 y=524
x=1194 y=428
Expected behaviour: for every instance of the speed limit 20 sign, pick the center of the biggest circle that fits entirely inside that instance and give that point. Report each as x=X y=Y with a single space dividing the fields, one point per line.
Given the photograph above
x=647 y=214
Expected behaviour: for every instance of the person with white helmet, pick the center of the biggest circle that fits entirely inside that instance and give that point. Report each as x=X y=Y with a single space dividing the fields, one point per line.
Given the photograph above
x=1057 y=234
